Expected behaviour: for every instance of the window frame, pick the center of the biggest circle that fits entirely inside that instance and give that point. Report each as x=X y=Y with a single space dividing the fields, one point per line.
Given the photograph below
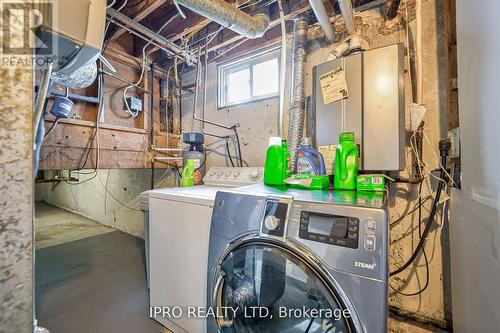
x=235 y=65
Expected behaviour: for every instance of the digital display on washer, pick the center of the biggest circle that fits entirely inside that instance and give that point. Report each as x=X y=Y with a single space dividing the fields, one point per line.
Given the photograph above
x=320 y=224
x=331 y=229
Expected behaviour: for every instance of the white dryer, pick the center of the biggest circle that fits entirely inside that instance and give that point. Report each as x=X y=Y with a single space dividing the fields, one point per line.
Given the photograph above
x=179 y=229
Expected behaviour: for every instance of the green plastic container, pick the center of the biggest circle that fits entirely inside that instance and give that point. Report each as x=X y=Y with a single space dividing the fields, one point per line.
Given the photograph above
x=187 y=179
x=277 y=167
x=373 y=183
x=288 y=162
x=346 y=162
x=308 y=182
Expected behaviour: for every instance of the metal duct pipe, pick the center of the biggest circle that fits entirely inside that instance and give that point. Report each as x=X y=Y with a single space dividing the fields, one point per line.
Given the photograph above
x=324 y=21
x=229 y=16
x=297 y=107
x=347 y=14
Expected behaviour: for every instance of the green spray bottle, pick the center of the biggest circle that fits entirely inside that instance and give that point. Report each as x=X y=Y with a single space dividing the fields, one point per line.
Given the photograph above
x=187 y=179
x=346 y=162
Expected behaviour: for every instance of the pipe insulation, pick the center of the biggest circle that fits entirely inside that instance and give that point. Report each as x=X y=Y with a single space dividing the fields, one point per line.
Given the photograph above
x=324 y=21
x=297 y=105
x=229 y=16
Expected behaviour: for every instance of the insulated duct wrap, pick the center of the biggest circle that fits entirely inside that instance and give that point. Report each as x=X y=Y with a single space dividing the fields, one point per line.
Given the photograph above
x=229 y=16
x=297 y=105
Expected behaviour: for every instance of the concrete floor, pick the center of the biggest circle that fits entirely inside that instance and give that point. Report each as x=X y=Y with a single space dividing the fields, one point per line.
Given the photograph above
x=89 y=278
x=56 y=226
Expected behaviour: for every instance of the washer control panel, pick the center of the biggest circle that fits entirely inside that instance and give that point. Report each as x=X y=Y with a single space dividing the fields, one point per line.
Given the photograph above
x=331 y=229
x=232 y=177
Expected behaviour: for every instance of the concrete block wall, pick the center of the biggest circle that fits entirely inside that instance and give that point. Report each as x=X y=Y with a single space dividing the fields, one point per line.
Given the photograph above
x=112 y=197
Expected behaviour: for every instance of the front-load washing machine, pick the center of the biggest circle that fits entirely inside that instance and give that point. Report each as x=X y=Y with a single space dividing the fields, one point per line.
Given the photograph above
x=297 y=261
x=178 y=234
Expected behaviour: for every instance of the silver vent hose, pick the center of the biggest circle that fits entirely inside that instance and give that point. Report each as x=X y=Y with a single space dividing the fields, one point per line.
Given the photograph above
x=297 y=106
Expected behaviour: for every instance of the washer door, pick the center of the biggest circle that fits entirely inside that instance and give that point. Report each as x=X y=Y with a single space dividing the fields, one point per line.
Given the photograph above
x=275 y=289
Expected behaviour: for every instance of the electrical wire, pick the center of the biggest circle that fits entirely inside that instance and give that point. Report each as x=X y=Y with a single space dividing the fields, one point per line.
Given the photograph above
x=143 y=69
x=427 y=275
x=444 y=153
x=418 y=206
x=229 y=153
x=239 y=147
x=51 y=128
x=111 y=4
x=438 y=161
x=117 y=200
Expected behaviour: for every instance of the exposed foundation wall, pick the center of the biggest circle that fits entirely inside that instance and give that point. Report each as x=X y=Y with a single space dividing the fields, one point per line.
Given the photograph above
x=259 y=121
x=118 y=206
x=16 y=191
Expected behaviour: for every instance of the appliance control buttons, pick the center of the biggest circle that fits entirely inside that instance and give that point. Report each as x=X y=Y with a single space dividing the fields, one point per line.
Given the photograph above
x=370 y=224
x=255 y=175
x=370 y=242
x=271 y=222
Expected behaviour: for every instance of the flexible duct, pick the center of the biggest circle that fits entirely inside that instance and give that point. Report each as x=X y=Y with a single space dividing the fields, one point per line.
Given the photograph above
x=297 y=94
x=324 y=21
x=229 y=16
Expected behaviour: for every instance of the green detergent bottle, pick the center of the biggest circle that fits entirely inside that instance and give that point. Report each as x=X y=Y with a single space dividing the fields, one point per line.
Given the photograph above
x=346 y=162
x=276 y=168
x=187 y=179
x=288 y=162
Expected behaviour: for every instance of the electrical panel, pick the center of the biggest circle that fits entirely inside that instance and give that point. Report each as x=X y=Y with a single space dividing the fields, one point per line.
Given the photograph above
x=363 y=93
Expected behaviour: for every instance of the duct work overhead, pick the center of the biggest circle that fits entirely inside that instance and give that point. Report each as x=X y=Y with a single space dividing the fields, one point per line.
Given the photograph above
x=229 y=16
x=77 y=31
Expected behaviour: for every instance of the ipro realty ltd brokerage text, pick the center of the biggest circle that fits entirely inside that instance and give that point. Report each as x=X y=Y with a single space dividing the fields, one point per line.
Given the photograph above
x=246 y=312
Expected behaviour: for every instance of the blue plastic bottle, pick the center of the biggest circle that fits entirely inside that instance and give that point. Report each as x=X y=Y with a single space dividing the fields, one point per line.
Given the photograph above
x=309 y=161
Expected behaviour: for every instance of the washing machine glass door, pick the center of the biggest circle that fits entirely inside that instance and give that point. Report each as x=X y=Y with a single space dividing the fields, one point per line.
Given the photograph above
x=267 y=289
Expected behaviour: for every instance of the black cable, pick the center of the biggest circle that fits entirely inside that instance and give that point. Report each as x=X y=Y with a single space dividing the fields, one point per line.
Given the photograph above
x=444 y=147
x=310 y=324
x=420 y=204
x=204 y=160
x=239 y=146
x=229 y=153
x=51 y=128
x=427 y=277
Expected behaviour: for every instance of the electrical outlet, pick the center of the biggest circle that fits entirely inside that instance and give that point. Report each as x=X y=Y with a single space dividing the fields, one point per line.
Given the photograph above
x=454 y=136
x=134 y=103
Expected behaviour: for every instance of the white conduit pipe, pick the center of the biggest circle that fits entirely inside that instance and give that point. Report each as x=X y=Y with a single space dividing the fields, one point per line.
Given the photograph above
x=348 y=15
x=324 y=21
x=229 y=16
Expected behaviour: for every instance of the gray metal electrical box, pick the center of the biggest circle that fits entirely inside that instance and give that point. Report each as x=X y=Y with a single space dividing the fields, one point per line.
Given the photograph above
x=363 y=93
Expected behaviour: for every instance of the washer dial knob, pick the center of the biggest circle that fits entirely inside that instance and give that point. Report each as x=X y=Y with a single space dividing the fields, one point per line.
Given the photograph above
x=271 y=222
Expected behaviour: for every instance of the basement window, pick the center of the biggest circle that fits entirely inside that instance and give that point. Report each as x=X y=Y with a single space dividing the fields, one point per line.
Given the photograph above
x=249 y=79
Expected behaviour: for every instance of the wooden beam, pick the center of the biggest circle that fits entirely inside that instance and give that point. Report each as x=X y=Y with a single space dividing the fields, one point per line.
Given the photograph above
x=154 y=5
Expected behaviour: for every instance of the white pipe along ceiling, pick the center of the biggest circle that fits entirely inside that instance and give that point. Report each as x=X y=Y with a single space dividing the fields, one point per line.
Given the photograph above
x=323 y=19
x=229 y=16
x=348 y=15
